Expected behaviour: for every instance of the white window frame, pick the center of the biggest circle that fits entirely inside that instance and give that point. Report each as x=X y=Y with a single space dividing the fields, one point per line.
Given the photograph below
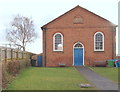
x=95 y=40
x=54 y=42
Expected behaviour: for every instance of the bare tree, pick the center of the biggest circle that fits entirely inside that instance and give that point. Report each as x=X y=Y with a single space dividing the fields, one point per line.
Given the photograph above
x=21 y=31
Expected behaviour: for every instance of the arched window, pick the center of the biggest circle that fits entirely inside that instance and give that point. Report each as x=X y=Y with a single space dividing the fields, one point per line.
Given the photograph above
x=58 y=42
x=98 y=41
x=78 y=45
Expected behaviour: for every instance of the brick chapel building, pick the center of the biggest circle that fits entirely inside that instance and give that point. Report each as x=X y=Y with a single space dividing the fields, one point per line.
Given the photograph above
x=78 y=37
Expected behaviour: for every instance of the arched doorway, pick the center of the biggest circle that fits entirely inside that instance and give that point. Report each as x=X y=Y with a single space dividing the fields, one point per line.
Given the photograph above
x=78 y=54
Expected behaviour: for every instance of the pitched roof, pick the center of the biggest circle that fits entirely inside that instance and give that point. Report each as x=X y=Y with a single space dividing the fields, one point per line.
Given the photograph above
x=72 y=10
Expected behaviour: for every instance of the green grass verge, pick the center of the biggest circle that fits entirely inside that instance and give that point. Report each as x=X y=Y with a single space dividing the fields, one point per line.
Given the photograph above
x=108 y=72
x=35 y=78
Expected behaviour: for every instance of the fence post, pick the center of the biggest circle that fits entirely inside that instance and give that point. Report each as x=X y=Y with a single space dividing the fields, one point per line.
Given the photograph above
x=5 y=54
x=11 y=54
x=17 y=54
x=0 y=54
x=22 y=54
x=25 y=55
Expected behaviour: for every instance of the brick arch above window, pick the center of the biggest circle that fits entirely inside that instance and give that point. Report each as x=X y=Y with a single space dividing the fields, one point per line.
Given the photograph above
x=58 y=42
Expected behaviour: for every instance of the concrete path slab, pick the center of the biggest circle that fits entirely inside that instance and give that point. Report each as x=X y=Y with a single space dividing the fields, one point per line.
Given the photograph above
x=100 y=82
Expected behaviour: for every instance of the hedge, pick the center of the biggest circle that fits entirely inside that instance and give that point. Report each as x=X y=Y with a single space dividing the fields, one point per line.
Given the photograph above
x=11 y=69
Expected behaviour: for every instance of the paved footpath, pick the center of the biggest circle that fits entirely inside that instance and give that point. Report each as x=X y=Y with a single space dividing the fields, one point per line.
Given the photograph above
x=101 y=83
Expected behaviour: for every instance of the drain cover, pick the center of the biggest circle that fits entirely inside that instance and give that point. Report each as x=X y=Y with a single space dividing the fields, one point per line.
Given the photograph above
x=85 y=85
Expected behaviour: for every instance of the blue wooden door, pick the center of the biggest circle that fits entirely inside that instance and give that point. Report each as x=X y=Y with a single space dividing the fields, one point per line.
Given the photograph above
x=78 y=56
x=39 y=61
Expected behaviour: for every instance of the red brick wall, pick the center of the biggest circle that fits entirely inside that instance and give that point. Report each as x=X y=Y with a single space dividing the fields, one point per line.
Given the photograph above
x=73 y=33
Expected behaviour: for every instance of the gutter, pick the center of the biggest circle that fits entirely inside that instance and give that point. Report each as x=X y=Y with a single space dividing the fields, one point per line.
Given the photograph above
x=113 y=42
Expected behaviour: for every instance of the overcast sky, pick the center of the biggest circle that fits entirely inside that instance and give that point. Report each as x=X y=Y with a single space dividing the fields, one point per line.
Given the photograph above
x=43 y=11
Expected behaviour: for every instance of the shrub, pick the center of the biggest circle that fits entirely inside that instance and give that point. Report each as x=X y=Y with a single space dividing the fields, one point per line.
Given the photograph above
x=24 y=63
x=11 y=68
x=6 y=77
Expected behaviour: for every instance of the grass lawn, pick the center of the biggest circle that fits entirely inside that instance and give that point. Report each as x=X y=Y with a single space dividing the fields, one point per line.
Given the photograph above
x=108 y=72
x=35 y=78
